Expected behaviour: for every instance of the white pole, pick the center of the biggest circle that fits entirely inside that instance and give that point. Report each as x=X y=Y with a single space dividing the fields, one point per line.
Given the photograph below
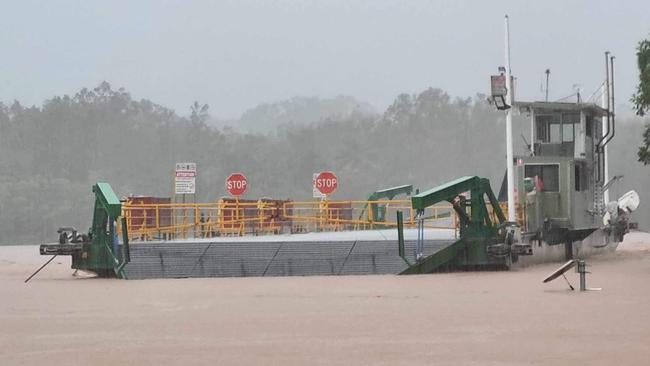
x=509 y=155
x=604 y=102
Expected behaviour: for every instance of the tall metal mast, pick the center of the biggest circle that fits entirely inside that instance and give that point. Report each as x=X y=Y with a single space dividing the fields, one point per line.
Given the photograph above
x=509 y=154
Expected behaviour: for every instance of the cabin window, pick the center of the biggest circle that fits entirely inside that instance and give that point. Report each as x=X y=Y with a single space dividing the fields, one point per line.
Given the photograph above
x=549 y=174
x=549 y=128
x=541 y=131
x=581 y=177
x=590 y=126
x=569 y=120
x=567 y=132
x=554 y=132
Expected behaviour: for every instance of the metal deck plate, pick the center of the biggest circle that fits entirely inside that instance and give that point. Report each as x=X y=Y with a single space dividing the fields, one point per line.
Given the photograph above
x=245 y=259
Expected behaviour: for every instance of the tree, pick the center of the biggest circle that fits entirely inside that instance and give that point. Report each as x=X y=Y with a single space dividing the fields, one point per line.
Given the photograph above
x=199 y=114
x=641 y=99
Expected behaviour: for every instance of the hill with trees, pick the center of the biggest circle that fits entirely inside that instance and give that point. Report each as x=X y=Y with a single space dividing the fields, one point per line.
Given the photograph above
x=299 y=111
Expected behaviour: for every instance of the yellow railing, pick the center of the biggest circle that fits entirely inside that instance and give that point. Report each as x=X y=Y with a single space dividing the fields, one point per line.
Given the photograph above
x=358 y=215
x=232 y=217
x=520 y=215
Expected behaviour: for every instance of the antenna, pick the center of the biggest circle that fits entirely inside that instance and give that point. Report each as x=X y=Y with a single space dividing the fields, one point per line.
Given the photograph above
x=548 y=73
x=578 y=89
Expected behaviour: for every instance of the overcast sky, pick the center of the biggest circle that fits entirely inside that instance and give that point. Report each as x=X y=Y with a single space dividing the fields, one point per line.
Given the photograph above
x=234 y=55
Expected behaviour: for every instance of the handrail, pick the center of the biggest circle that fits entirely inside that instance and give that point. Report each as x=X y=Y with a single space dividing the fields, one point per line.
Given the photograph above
x=149 y=221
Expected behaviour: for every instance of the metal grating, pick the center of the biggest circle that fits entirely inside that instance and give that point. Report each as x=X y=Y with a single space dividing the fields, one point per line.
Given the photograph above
x=248 y=259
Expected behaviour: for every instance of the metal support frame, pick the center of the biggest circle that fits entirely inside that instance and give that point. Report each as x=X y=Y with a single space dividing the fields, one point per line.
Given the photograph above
x=480 y=235
x=373 y=214
x=101 y=251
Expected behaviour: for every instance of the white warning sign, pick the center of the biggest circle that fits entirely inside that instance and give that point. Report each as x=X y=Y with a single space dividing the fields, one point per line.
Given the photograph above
x=185 y=178
x=316 y=193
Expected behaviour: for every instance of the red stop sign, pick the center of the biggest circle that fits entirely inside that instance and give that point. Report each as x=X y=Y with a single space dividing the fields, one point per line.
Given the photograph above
x=326 y=182
x=236 y=184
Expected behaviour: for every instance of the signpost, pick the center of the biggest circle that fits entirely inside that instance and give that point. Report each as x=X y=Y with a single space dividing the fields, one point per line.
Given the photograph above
x=236 y=184
x=315 y=192
x=325 y=182
x=185 y=178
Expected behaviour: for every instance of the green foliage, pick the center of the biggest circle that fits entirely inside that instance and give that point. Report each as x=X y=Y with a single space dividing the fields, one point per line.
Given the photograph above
x=644 y=150
x=641 y=98
x=298 y=111
x=199 y=113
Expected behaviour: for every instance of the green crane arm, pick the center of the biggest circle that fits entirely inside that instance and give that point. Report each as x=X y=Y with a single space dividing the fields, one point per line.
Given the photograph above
x=478 y=234
x=496 y=206
x=107 y=199
x=388 y=193
x=445 y=192
x=478 y=187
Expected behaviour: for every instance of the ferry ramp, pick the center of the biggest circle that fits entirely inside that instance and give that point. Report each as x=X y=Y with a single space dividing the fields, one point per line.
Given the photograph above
x=184 y=259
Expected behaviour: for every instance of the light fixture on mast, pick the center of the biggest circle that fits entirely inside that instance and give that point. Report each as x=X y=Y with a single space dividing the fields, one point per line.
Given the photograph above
x=500 y=90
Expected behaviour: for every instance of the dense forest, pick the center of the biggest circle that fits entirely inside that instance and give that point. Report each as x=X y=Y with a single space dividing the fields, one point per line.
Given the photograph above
x=52 y=154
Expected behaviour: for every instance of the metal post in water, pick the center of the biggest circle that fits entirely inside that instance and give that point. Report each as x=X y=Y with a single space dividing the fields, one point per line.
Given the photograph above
x=582 y=270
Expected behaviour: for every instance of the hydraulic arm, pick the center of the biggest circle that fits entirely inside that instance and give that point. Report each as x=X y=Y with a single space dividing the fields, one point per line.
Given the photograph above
x=487 y=240
x=377 y=212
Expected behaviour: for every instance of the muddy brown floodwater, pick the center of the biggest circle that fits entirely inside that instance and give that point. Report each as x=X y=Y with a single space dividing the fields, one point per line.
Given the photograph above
x=495 y=318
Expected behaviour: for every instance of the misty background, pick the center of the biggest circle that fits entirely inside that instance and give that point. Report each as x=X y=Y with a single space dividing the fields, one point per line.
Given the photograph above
x=52 y=154
x=381 y=92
